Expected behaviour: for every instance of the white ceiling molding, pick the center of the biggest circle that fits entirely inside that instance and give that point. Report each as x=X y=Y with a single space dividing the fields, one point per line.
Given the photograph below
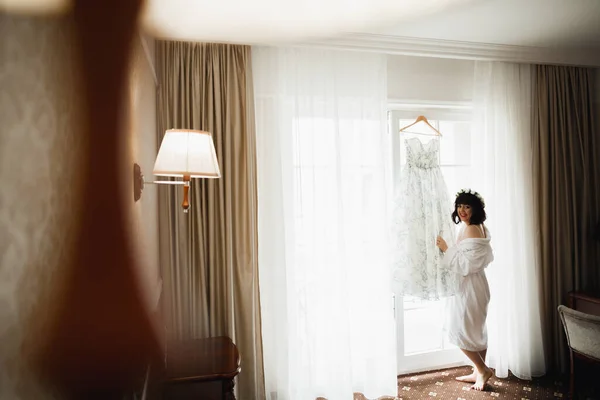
x=462 y=50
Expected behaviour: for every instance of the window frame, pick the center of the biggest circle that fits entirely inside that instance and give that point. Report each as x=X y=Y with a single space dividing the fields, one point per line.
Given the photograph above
x=455 y=112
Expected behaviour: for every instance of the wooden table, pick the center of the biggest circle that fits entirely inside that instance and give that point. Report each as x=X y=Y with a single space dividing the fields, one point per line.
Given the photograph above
x=585 y=302
x=191 y=364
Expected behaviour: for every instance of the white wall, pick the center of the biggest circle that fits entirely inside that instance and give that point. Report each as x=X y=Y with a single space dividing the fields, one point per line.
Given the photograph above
x=430 y=79
x=142 y=150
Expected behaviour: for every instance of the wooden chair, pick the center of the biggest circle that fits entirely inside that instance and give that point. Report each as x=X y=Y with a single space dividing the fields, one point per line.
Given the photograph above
x=583 y=337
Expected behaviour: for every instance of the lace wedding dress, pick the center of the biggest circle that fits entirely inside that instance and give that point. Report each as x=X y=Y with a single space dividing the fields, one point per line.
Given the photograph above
x=422 y=212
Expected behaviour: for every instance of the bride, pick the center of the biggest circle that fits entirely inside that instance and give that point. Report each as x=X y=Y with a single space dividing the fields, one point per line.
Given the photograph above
x=469 y=257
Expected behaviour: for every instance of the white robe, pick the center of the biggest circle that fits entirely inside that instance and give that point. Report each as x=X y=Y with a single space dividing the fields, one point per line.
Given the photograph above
x=467 y=310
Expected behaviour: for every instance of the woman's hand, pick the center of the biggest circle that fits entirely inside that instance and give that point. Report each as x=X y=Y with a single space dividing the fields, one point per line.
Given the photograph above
x=441 y=243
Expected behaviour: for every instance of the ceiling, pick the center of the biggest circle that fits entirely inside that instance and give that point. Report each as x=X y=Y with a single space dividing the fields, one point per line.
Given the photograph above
x=542 y=23
x=539 y=23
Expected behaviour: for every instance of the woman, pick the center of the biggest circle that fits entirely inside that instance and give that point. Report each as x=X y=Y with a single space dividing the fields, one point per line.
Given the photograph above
x=469 y=257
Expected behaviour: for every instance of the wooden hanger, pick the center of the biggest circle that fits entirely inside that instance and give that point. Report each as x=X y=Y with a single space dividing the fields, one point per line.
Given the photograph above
x=421 y=118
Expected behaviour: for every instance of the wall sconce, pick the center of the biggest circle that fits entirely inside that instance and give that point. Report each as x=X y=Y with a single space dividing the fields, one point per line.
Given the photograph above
x=183 y=153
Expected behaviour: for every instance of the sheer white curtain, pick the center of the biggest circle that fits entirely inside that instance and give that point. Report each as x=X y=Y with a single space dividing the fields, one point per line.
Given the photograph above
x=502 y=158
x=327 y=318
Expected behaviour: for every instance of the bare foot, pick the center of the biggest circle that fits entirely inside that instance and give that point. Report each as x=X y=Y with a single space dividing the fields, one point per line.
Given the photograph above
x=482 y=380
x=467 y=378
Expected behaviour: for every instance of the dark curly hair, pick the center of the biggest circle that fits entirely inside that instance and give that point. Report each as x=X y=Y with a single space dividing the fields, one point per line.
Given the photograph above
x=477 y=208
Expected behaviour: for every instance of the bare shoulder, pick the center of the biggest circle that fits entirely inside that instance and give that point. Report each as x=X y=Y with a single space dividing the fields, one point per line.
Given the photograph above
x=473 y=232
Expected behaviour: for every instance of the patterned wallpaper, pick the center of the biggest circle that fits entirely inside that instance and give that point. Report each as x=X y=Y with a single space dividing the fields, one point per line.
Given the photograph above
x=40 y=175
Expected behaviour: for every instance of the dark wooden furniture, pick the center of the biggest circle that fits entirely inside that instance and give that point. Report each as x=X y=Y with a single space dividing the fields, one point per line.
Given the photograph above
x=585 y=302
x=199 y=368
x=589 y=304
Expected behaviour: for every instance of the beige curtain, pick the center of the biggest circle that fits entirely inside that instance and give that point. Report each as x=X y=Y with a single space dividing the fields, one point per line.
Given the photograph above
x=209 y=256
x=567 y=167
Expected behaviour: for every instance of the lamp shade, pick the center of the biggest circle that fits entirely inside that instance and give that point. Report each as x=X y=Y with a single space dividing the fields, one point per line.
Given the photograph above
x=186 y=152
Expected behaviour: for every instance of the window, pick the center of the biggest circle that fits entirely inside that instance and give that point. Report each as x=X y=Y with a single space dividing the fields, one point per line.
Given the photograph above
x=340 y=222
x=337 y=164
x=422 y=343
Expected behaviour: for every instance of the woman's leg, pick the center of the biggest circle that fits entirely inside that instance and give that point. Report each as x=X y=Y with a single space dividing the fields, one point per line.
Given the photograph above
x=483 y=353
x=482 y=372
x=472 y=378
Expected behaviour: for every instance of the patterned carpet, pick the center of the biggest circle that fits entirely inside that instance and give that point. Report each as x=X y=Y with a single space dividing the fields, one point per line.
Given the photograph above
x=441 y=385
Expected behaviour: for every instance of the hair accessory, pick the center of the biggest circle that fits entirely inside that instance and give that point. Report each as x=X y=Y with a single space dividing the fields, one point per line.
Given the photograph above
x=469 y=191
